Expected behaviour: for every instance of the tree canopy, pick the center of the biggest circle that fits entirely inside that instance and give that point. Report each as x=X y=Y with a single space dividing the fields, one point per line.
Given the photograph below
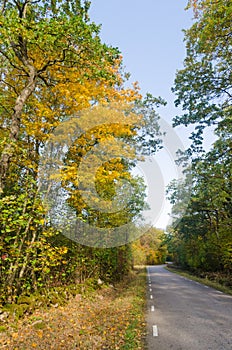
x=203 y=86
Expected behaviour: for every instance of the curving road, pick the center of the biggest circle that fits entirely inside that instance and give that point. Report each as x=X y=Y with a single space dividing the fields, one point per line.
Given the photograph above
x=186 y=315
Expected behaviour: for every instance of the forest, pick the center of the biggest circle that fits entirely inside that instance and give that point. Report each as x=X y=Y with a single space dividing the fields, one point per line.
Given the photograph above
x=59 y=82
x=71 y=133
x=201 y=235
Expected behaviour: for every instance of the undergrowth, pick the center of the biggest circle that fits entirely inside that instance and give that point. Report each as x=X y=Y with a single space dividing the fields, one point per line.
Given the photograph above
x=109 y=317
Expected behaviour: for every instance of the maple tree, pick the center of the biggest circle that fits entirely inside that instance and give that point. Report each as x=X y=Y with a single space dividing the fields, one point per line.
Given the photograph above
x=99 y=162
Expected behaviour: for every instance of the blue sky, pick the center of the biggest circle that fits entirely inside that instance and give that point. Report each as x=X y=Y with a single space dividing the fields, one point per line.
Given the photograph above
x=149 y=34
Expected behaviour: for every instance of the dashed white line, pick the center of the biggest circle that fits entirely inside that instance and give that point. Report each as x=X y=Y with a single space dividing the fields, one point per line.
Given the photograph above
x=155 y=331
x=152 y=308
x=150 y=290
x=151 y=296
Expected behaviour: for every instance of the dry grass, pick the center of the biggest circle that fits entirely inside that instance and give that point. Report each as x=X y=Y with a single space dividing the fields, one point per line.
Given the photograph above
x=110 y=318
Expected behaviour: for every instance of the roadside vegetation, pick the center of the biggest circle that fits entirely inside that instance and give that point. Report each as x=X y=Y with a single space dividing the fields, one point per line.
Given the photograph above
x=200 y=238
x=100 y=317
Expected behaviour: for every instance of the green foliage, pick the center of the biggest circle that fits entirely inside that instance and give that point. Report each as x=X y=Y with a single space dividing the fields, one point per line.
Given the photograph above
x=203 y=87
x=27 y=256
x=201 y=237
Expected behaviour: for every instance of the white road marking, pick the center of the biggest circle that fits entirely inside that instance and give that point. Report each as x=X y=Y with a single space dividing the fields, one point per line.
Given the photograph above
x=155 y=331
x=152 y=308
x=206 y=286
x=151 y=296
x=150 y=290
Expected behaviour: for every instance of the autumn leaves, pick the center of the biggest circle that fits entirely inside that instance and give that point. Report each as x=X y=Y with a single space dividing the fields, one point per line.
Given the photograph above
x=55 y=72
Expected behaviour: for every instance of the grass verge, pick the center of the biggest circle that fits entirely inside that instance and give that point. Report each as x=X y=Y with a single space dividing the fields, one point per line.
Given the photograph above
x=109 y=318
x=205 y=281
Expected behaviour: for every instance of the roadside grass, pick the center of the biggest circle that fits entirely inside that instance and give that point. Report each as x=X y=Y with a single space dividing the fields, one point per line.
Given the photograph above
x=111 y=317
x=136 y=330
x=205 y=281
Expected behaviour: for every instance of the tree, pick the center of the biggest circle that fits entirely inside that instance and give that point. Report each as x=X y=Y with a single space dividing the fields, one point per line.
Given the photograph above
x=98 y=164
x=203 y=229
x=150 y=248
x=203 y=87
x=53 y=66
x=202 y=233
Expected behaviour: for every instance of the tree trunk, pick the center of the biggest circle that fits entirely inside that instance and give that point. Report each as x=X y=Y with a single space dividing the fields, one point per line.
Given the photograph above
x=15 y=126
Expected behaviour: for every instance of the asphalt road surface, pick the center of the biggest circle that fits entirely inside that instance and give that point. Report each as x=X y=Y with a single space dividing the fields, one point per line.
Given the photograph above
x=186 y=315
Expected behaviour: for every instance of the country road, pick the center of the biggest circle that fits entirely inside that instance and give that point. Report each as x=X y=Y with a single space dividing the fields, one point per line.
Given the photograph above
x=186 y=315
